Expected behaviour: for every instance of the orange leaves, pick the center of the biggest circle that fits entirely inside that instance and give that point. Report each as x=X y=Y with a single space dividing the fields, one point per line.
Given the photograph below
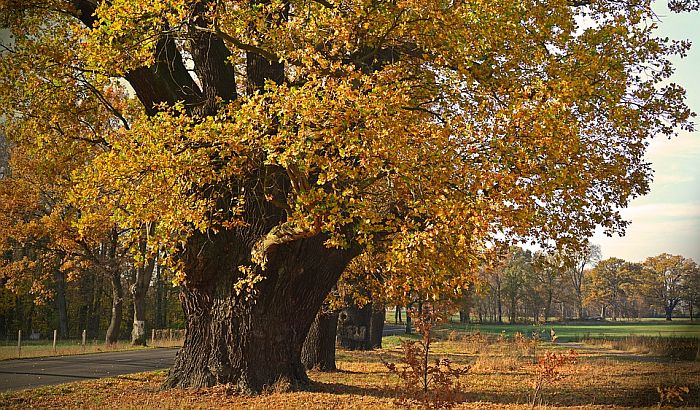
x=548 y=366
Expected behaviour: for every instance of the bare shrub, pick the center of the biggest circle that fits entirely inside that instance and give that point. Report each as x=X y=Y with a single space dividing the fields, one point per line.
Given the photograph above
x=548 y=370
x=671 y=395
x=423 y=384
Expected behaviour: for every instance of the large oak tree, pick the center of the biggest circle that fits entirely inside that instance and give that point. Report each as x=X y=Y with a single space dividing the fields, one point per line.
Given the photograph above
x=275 y=139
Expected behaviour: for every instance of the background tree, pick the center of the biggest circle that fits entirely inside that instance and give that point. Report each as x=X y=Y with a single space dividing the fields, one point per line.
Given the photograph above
x=609 y=283
x=495 y=290
x=309 y=129
x=578 y=261
x=516 y=272
x=548 y=269
x=662 y=280
x=691 y=290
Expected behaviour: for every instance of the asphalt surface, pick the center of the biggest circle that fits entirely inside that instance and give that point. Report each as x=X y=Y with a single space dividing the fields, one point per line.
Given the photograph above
x=21 y=374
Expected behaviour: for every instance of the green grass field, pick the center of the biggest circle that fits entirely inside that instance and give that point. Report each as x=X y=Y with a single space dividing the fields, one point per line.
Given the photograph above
x=567 y=332
x=574 y=332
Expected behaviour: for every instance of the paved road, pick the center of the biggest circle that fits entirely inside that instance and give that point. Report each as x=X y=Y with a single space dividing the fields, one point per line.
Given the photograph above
x=29 y=373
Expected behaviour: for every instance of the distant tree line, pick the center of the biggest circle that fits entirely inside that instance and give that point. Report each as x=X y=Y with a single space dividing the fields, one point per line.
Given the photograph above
x=86 y=304
x=540 y=287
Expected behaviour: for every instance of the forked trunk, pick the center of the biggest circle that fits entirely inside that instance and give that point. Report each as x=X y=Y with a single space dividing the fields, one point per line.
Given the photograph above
x=251 y=342
x=318 y=351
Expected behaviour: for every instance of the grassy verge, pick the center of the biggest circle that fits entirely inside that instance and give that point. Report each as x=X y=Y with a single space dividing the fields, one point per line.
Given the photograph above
x=501 y=377
x=66 y=348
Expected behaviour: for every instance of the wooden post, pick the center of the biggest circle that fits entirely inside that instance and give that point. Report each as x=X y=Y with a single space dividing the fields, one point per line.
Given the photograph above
x=55 y=333
x=170 y=331
x=84 y=339
x=19 y=343
x=153 y=337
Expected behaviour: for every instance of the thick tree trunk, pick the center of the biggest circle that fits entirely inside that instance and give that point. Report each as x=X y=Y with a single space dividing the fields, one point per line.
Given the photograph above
x=61 y=306
x=251 y=342
x=318 y=351
x=669 y=312
x=376 y=326
x=397 y=315
x=117 y=305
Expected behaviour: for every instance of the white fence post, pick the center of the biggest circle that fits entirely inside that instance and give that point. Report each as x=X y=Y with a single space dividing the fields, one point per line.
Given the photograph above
x=55 y=333
x=83 y=339
x=19 y=343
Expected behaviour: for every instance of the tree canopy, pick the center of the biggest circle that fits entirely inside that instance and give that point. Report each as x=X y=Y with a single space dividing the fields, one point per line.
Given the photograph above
x=499 y=117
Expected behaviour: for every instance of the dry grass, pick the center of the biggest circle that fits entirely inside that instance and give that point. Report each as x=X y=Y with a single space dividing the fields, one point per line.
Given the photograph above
x=680 y=348
x=500 y=378
x=34 y=349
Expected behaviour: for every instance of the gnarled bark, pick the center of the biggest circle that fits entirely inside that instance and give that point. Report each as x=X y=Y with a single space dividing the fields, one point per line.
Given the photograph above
x=252 y=342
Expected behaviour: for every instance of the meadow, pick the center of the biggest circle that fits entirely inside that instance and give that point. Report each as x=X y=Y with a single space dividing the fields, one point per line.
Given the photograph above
x=578 y=331
x=503 y=373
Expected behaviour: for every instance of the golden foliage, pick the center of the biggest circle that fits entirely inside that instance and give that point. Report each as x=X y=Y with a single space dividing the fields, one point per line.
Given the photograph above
x=446 y=128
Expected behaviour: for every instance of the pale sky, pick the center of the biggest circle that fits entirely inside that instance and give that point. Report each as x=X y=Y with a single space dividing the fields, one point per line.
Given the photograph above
x=668 y=218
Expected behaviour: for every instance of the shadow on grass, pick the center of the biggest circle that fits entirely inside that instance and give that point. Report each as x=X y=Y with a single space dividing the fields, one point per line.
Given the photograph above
x=636 y=397
x=340 y=388
x=569 y=395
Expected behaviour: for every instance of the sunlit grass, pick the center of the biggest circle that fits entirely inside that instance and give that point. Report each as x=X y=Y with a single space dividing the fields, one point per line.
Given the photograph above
x=574 y=332
x=500 y=377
